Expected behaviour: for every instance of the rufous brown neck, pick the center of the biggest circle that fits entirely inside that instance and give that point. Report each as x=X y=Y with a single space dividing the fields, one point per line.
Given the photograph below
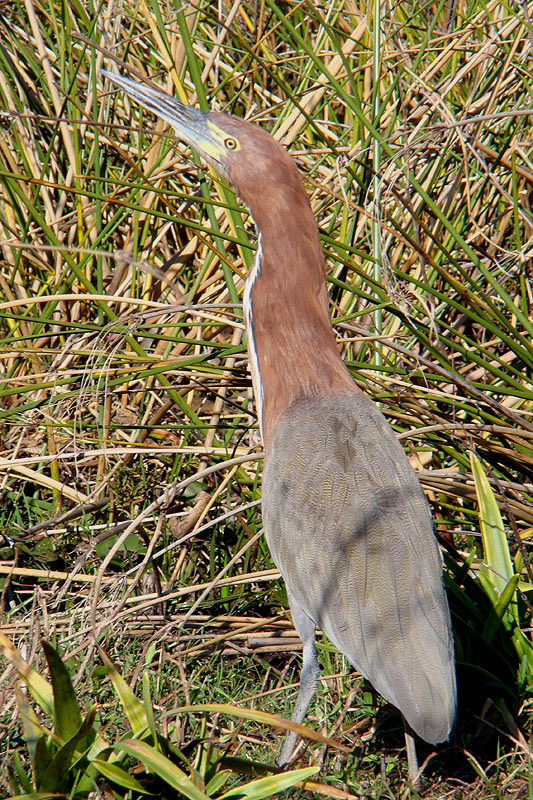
x=293 y=352
x=292 y=347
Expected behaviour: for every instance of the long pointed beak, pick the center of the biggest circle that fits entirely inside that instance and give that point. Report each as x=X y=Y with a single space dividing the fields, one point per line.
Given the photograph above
x=190 y=124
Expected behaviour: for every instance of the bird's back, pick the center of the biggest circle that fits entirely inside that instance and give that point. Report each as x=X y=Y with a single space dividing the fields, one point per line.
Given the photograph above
x=350 y=530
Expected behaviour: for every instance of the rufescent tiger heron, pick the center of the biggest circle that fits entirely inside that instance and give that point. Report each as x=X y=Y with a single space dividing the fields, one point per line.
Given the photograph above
x=344 y=515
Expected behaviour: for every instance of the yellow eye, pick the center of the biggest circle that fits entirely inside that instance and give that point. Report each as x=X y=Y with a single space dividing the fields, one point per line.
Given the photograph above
x=231 y=144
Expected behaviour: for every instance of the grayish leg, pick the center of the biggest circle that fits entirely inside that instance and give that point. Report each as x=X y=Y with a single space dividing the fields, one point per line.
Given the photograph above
x=308 y=678
x=412 y=760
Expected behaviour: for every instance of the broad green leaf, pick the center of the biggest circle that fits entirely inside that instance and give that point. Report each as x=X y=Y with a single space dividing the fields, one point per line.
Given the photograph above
x=501 y=613
x=495 y=545
x=152 y=650
x=38 y=686
x=115 y=773
x=30 y=723
x=148 y=707
x=132 y=706
x=507 y=598
x=156 y=762
x=67 y=712
x=524 y=647
x=271 y=785
x=19 y=771
x=217 y=781
x=525 y=672
x=53 y=778
x=43 y=755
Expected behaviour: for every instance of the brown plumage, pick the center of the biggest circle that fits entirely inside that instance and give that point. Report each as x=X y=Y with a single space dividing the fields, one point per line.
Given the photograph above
x=344 y=515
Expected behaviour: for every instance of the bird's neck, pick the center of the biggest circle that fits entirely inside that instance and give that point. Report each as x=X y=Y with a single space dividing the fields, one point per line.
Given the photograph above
x=292 y=347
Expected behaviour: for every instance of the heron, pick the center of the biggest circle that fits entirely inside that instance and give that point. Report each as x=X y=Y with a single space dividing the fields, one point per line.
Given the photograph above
x=344 y=514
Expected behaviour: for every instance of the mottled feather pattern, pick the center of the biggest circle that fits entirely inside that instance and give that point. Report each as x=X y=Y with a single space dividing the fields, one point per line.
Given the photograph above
x=349 y=527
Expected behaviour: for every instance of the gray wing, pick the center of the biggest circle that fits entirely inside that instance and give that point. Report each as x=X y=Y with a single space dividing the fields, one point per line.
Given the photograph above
x=350 y=530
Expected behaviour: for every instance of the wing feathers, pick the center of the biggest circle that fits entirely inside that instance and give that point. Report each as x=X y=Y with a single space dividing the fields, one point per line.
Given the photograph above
x=351 y=534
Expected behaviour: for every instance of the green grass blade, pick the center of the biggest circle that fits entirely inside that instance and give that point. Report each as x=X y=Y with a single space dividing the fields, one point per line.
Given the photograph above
x=119 y=776
x=495 y=545
x=38 y=686
x=155 y=761
x=134 y=709
x=271 y=785
x=67 y=712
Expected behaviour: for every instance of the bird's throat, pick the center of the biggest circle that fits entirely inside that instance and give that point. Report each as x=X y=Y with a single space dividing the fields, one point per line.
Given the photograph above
x=291 y=342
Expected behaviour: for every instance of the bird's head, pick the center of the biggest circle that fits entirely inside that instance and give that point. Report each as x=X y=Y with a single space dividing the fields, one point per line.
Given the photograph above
x=246 y=155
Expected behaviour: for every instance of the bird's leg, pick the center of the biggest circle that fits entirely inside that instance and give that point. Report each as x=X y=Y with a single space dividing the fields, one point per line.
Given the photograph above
x=412 y=760
x=308 y=678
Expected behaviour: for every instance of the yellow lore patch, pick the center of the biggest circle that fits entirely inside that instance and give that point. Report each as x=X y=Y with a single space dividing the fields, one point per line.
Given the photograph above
x=227 y=143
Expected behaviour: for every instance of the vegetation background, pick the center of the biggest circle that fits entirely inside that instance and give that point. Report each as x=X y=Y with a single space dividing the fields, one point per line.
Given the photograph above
x=130 y=464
